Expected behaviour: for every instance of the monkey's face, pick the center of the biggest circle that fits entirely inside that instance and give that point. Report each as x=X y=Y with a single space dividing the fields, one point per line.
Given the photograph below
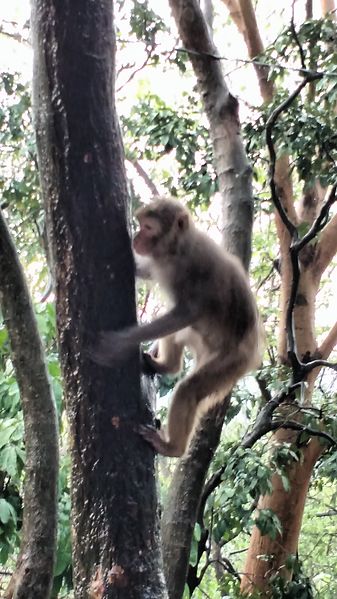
x=163 y=226
x=145 y=241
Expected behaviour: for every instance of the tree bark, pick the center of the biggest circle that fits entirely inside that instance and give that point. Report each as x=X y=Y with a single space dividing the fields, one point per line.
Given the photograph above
x=233 y=170
x=234 y=176
x=116 y=549
x=258 y=571
x=328 y=6
x=289 y=507
x=33 y=575
x=181 y=509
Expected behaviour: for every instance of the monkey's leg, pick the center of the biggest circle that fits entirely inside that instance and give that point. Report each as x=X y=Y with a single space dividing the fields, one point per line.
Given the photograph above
x=167 y=357
x=214 y=380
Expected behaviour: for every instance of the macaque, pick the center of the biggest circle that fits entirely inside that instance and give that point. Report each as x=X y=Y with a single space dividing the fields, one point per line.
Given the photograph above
x=212 y=312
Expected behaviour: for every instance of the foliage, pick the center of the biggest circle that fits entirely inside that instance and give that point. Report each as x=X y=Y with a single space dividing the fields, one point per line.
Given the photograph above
x=173 y=144
x=19 y=178
x=307 y=130
x=154 y=129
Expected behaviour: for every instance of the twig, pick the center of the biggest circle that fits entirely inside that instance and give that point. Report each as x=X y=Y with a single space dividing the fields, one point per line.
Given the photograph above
x=320 y=221
x=143 y=174
x=304 y=72
x=296 y=426
x=270 y=144
x=296 y=38
x=226 y=565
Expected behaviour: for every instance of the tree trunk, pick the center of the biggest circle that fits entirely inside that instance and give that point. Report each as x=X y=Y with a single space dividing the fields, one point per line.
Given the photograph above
x=234 y=176
x=289 y=507
x=116 y=547
x=181 y=509
x=258 y=571
x=33 y=575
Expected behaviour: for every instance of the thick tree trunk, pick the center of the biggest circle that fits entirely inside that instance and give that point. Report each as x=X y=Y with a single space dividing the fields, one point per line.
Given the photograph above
x=234 y=176
x=289 y=507
x=33 y=575
x=258 y=571
x=183 y=500
x=114 y=505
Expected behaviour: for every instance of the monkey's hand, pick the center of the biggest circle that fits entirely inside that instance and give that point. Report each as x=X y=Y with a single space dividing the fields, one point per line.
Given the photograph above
x=158 y=441
x=148 y=362
x=112 y=348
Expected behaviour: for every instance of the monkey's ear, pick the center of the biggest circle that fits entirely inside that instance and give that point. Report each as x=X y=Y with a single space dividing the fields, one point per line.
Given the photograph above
x=183 y=221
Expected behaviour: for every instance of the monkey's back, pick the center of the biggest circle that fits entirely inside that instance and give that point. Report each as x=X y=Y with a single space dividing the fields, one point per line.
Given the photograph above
x=214 y=284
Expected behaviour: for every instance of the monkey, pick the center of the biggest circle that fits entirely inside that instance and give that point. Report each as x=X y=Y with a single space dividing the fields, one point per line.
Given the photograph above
x=212 y=311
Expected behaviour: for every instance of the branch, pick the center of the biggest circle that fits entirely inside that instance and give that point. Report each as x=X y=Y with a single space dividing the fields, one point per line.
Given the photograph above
x=14 y=35
x=296 y=426
x=143 y=174
x=299 y=370
x=264 y=424
x=243 y=14
x=261 y=426
x=40 y=422
x=296 y=38
x=326 y=247
x=320 y=221
x=329 y=343
x=269 y=140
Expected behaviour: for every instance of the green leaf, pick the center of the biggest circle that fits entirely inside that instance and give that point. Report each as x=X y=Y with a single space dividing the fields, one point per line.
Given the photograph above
x=8 y=460
x=6 y=432
x=197 y=532
x=7 y=511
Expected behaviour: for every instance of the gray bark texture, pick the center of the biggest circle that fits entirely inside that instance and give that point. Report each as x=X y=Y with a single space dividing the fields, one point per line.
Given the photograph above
x=234 y=176
x=33 y=574
x=116 y=549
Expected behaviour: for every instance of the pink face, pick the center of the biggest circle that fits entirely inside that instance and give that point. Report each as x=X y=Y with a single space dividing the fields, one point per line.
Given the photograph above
x=147 y=236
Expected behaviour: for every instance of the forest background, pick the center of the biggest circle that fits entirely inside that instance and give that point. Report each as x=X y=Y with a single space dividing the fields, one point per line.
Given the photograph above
x=264 y=518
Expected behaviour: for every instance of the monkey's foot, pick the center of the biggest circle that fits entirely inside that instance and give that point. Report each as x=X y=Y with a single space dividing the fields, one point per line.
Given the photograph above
x=158 y=442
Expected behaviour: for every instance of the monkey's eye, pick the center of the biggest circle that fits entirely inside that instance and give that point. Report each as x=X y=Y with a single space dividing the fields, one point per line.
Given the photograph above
x=147 y=227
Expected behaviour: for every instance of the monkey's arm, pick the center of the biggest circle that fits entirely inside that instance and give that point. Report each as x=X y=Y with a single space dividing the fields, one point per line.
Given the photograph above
x=114 y=346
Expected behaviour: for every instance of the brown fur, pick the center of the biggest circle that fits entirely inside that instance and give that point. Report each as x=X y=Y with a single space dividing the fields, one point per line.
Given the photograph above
x=213 y=312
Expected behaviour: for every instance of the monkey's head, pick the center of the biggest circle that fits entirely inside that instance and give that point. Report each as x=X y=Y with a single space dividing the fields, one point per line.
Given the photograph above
x=163 y=226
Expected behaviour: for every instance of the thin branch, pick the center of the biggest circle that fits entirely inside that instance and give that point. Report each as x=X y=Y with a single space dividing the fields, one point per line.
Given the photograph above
x=14 y=35
x=329 y=343
x=300 y=369
x=296 y=426
x=296 y=38
x=320 y=221
x=291 y=228
x=262 y=383
x=49 y=288
x=226 y=564
x=306 y=368
x=330 y=513
x=261 y=426
x=145 y=63
x=143 y=174
x=326 y=247
x=311 y=74
x=264 y=424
